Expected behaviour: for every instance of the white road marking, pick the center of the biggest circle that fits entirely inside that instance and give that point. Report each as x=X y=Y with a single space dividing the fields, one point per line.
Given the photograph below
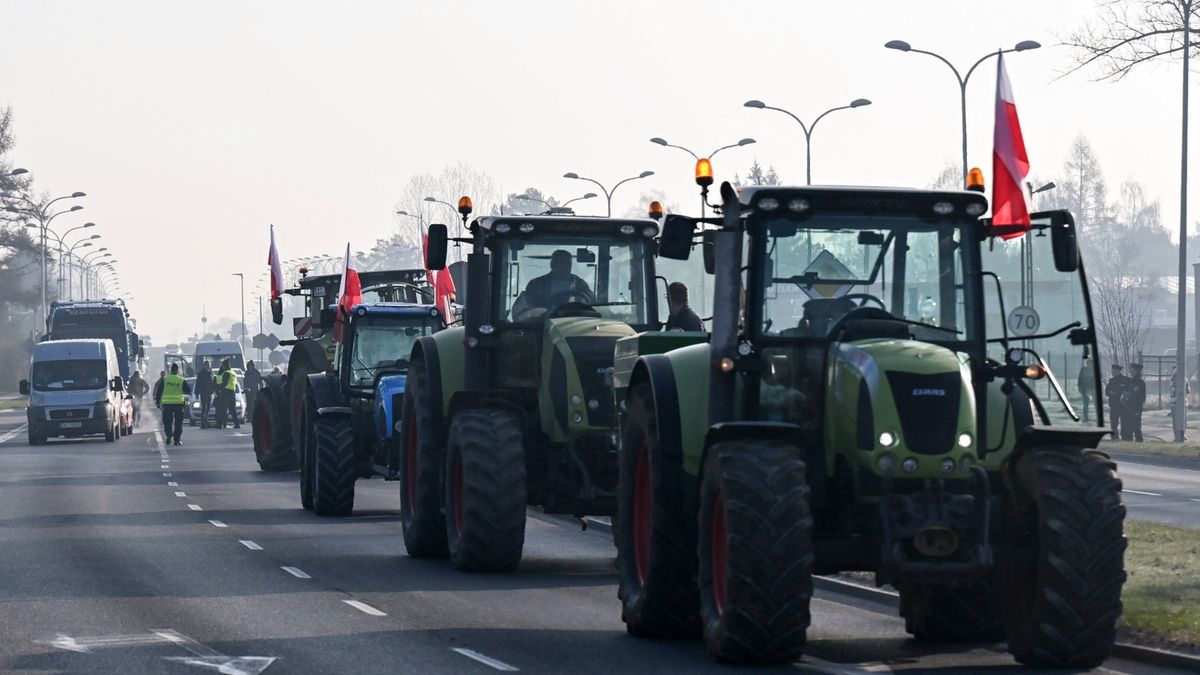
x=485 y=660
x=13 y=434
x=217 y=523
x=180 y=494
x=1139 y=492
x=158 y=439
x=166 y=475
x=364 y=608
x=296 y=572
x=202 y=656
x=1194 y=500
x=165 y=466
x=195 y=507
x=250 y=545
x=172 y=483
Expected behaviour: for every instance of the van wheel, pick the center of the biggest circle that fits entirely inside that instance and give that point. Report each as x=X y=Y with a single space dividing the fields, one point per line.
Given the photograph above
x=110 y=436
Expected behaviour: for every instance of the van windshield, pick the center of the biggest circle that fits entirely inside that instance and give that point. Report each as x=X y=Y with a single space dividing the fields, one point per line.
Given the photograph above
x=69 y=375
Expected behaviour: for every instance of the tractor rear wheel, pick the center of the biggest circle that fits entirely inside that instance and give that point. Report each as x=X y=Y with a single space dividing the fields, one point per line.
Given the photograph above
x=485 y=490
x=333 y=471
x=422 y=459
x=655 y=537
x=942 y=613
x=272 y=438
x=1062 y=600
x=756 y=552
x=308 y=442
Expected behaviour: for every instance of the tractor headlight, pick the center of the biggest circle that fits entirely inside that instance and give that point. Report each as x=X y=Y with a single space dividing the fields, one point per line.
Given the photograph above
x=627 y=229
x=975 y=209
x=888 y=439
x=577 y=418
x=797 y=205
x=593 y=404
x=909 y=465
x=947 y=465
x=576 y=399
x=526 y=228
x=649 y=231
x=487 y=329
x=503 y=228
x=964 y=440
x=943 y=208
x=886 y=463
x=768 y=203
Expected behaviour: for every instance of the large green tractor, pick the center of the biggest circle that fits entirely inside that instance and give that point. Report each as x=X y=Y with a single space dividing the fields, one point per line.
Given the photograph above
x=864 y=405
x=514 y=408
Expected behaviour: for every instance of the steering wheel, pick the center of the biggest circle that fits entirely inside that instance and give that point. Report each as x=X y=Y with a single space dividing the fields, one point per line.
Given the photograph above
x=859 y=313
x=864 y=298
x=574 y=308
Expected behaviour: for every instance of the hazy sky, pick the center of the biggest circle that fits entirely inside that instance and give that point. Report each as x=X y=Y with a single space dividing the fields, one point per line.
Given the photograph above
x=192 y=126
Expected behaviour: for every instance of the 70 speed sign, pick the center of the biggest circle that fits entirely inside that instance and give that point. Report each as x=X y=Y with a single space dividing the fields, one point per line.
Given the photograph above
x=1023 y=320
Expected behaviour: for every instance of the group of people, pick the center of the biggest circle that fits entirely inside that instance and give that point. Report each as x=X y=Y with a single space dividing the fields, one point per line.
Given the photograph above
x=218 y=389
x=1126 y=397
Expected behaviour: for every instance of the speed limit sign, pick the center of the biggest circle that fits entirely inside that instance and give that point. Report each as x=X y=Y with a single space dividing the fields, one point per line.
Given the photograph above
x=1023 y=320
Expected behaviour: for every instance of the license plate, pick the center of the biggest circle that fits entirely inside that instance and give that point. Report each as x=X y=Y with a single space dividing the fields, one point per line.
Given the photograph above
x=71 y=425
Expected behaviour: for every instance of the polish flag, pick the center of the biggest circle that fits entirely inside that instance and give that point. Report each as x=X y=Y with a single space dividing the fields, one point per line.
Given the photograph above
x=349 y=295
x=276 y=269
x=444 y=291
x=1010 y=164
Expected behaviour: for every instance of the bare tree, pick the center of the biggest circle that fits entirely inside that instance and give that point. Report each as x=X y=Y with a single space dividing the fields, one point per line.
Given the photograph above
x=1128 y=34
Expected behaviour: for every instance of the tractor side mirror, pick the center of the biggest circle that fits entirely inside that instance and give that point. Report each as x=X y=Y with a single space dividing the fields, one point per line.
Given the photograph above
x=1065 y=246
x=709 y=249
x=23 y=387
x=583 y=255
x=435 y=247
x=277 y=310
x=675 y=242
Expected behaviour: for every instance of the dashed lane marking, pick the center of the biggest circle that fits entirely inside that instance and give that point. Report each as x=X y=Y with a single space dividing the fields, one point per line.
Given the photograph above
x=365 y=608
x=195 y=507
x=485 y=660
x=180 y=494
x=217 y=523
x=165 y=466
x=1139 y=492
x=172 y=483
x=1194 y=500
x=13 y=434
x=166 y=475
x=250 y=545
x=296 y=572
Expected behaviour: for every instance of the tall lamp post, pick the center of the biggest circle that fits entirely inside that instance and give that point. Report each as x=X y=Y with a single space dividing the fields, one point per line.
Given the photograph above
x=808 y=128
x=242 y=295
x=704 y=175
x=86 y=269
x=548 y=205
x=902 y=46
x=44 y=218
x=608 y=194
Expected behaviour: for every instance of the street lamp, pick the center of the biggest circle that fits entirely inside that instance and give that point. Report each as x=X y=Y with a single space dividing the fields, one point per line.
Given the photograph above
x=44 y=218
x=608 y=194
x=704 y=174
x=551 y=206
x=463 y=209
x=242 y=286
x=808 y=128
x=902 y=46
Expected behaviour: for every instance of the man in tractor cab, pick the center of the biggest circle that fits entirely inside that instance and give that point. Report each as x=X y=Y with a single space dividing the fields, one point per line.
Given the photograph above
x=558 y=286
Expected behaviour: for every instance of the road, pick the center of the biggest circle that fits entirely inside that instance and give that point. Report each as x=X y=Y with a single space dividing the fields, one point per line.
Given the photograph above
x=1161 y=490
x=131 y=557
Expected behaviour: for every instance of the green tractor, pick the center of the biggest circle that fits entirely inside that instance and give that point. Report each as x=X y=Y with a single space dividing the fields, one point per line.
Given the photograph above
x=515 y=408
x=872 y=399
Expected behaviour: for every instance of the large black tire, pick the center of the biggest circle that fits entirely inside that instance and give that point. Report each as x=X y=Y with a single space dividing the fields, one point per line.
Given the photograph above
x=485 y=491
x=755 y=552
x=655 y=536
x=113 y=432
x=1063 y=598
x=942 y=613
x=422 y=460
x=272 y=437
x=36 y=439
x=308 y=444
x=333 y=472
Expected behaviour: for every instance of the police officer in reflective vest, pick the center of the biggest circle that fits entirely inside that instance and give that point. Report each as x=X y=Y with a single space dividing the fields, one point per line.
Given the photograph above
x=226 y=383
x=170 y=397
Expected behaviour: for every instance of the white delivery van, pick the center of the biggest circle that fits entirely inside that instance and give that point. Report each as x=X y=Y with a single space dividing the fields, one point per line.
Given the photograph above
x=216 y=351
x=75 y=389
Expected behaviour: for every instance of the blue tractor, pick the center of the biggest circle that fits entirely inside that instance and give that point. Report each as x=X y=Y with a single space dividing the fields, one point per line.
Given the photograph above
x=348 y=417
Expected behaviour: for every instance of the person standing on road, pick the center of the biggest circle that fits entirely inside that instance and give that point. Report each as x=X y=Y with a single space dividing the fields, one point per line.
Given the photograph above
x=138 y=389
x=1114 y=390
x=681 y=315
x=250 y=386
x=1133 y=400
x=204 y=389
x=170 y=396
x=1087 y=386
x=225 y=385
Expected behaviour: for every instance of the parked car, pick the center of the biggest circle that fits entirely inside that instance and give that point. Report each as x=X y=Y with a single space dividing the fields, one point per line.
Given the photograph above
x=193 y=404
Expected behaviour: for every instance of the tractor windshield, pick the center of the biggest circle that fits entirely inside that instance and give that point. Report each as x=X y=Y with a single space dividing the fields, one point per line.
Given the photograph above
x=383 y=343
x=817 y=271
x=556 y=274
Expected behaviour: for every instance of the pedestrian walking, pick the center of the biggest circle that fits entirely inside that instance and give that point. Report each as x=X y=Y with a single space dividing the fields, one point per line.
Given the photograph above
x=204 y=390
x=1114 y=390
x=169 y=396
x=250 y=386
x=681 y=316
x=225 y=388
x=1133 y=400
x=138 y=388
x=1087 y=387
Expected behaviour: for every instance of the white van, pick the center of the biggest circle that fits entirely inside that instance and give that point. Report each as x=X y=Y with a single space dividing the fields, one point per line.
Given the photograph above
x=215 y=351
x=75 y=389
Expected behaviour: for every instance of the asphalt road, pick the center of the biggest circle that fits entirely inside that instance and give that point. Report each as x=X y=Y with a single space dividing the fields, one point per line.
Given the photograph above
x=131 y=557
x=1161 y=490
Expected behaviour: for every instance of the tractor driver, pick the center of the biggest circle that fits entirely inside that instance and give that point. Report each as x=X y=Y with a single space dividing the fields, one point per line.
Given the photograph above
x=542 y=294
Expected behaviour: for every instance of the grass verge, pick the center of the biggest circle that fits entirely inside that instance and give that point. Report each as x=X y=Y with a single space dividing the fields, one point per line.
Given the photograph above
x=1162 y=593
x=13 y=403
x=1157 y=448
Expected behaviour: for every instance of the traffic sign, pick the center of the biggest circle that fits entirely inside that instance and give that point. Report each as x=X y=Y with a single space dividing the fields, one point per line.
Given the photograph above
x=1023 y=320
x=265 y=341
x=276 y=358
x=827 y=266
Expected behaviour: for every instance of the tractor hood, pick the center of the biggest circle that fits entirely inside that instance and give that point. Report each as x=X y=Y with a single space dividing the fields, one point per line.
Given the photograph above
x=578 y=356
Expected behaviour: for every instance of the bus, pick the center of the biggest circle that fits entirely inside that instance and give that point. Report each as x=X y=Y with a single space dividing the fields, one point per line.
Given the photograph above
x=97 y=319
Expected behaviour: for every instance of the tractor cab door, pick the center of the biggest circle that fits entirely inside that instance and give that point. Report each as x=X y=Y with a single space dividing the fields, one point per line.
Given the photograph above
x=1038 y=314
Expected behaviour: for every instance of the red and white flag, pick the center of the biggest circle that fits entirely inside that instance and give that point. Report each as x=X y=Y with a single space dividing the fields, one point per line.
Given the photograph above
x=349 y=295
x=1010 y=164
x=444 y=291
x=276 y=269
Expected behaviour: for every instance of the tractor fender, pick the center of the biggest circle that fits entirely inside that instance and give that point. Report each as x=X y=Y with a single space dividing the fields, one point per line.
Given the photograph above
x=326 y=395
x=657 y=371
x=1066 y=439
x=426 y=351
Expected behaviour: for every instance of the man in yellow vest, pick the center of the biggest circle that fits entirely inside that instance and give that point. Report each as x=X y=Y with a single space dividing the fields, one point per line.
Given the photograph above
x=225 y=386
x=170 y=396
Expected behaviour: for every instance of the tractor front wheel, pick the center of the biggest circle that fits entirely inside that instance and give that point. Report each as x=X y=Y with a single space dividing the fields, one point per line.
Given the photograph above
x=756 y=552
x=333 y=470
x=1063 y=598
x=485 y=490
